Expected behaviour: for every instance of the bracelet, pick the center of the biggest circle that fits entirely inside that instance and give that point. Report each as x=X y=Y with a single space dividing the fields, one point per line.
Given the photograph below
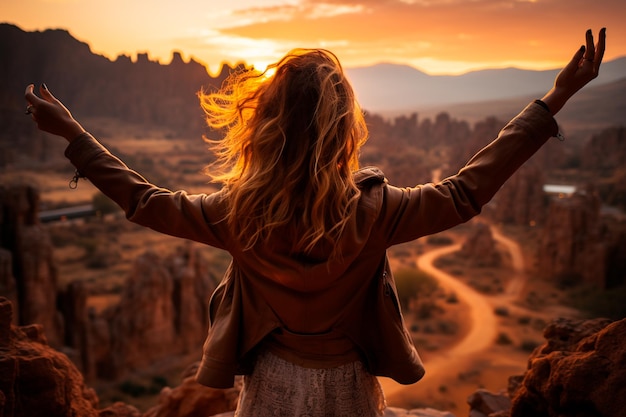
x=75 y=178
x=542 y=104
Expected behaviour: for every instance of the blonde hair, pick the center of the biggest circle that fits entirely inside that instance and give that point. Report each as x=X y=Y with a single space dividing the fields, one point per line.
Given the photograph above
x=292 y=138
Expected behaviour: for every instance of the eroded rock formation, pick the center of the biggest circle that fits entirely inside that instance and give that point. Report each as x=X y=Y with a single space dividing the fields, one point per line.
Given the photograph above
x=521 y=200
x=28 y=270
x=190 y=399
x=575 y=245
x=580 y=371
x=162 y=313
x=479 y=249
x=35 y=379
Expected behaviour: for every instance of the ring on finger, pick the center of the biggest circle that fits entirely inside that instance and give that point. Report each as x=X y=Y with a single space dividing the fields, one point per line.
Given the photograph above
x=29 y=109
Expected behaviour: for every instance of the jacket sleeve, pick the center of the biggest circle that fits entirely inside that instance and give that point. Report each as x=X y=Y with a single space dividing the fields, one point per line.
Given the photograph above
x=196 y=217
x=409 y=213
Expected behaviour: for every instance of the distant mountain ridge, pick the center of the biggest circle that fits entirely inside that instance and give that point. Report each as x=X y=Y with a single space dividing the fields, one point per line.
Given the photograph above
x=148 y=92
x=393 y=88
x=141 y=92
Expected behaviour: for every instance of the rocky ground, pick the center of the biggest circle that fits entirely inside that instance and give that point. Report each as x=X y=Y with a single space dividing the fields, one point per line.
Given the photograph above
x=578 y=371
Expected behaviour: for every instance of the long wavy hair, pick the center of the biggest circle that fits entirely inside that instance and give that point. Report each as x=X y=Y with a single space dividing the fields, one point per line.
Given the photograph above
x=291 y=142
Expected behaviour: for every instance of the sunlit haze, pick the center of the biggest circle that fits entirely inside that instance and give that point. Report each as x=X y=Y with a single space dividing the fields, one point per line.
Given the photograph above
x=436 y=36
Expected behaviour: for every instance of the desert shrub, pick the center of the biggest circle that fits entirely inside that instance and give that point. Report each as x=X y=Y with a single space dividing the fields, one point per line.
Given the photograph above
x=61 y=236
x=501 y=311
x=88 y=244
x=97 y=261
x=425 y=309
x=483 y=287
x=103 y=204
x=596 y=302
x=447 y=327
x=439 y=240
x=428 y=329
x=412 y=283
x=156 y=384
x=138 y=389
x=503 y=339
x=568 y=280
x=539 y=324
x=448 y=261
x=159 y=381
x=452 y=298
x=133 y=388
x=528 y=345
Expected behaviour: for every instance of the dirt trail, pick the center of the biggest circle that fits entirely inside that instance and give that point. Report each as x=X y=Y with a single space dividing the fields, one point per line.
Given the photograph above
x=515 y=286
x=483 y=321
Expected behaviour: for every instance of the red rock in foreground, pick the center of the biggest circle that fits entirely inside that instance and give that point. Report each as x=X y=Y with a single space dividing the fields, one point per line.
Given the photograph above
x=580 y=371
x=35 y=379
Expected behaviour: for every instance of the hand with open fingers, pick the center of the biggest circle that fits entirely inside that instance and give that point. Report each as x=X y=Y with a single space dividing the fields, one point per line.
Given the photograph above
x=584 y=67
x=50 y=114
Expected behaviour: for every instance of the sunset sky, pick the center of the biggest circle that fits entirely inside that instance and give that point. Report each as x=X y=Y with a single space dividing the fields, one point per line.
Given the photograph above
x=436 y=36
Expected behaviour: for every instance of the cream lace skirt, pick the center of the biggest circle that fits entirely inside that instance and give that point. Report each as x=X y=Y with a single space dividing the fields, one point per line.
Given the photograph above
x=278 y=388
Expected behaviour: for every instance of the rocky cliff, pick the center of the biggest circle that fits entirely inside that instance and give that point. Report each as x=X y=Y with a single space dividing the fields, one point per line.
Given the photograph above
x=162 y=311
x=37 y=380
x=479 y=249
x=28 y=272
x=145 y=92
x=580 y=371
x=580 y=244
x=605 y=155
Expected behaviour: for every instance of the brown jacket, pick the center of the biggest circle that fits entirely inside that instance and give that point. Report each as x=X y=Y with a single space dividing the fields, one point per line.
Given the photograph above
x=309 y=303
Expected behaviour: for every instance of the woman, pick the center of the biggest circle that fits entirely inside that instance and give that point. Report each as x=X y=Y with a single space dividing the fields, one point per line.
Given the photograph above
x=307 y=310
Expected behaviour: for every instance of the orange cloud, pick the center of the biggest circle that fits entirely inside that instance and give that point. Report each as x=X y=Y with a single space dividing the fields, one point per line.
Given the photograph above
x=482 y=32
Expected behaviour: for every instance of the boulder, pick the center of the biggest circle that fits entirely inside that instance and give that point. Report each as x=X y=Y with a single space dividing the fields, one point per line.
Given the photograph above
x=191 y=399
x=580 y=371
x=480 y=247
x=35 y=379
x=488 y=403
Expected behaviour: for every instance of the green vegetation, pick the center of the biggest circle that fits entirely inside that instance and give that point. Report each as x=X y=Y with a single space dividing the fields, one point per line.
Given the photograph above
x=452 y=298
x=138 y=389
x=103 y=204
x=501 y=311
x=597 y=302
x=503 y=339
x=528 y=345
x=439 y=240
x=412 y=283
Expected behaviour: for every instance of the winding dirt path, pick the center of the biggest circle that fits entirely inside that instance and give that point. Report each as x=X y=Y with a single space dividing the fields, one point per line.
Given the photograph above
x=515 y=286
x=483 y=321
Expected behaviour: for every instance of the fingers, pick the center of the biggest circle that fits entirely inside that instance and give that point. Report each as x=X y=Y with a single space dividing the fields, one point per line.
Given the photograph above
x=590 y=52
x=46 y=94
x=593 y=54
x=30 y=96
x=33 y=99
x=599 y=51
